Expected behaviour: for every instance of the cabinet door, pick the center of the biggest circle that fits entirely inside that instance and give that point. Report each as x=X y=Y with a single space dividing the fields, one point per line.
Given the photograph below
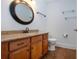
x=23 y=53
x=45 y=44
x=36 y=50
x=4 y=50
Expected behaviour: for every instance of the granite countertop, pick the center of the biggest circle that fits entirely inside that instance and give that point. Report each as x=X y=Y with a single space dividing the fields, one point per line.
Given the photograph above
x=10 y=37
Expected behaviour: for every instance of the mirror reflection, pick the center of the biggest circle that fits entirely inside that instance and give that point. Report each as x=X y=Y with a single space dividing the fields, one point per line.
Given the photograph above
x=23 y=12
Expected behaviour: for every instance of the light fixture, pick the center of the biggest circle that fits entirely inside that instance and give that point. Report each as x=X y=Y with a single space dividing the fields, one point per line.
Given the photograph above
x=17 y=1
x=33 y=1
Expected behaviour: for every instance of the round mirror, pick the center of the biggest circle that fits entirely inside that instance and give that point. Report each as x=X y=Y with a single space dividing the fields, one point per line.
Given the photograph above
x=22 y=12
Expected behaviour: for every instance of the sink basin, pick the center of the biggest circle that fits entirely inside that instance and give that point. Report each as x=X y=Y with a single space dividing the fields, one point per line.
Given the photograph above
x=30 y=31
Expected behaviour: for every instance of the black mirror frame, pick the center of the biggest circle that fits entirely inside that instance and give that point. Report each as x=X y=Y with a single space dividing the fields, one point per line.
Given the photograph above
x=13 y=14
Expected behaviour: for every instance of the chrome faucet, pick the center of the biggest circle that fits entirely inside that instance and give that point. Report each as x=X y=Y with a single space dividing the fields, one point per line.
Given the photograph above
x=26 y=30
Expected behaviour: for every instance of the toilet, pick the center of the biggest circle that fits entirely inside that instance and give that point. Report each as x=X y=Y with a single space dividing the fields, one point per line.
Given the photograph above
x=51 y=44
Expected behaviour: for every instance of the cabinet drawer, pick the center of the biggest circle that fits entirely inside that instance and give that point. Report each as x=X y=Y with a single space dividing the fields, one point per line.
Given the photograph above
x=19 y=43
x=36 y=39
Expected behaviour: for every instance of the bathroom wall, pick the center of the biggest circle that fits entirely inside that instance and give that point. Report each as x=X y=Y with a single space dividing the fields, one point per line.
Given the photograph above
x=58 y=25
x=55 y=22
x=8 y=23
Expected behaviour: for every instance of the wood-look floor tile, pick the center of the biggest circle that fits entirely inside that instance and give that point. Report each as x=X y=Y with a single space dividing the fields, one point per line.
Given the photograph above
x=61 y=53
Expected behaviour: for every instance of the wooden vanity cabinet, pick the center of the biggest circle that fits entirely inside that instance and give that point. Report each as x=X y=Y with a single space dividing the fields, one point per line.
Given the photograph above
x=32 y=47
x=4 y=50
x=45 y=44
x=36 y=47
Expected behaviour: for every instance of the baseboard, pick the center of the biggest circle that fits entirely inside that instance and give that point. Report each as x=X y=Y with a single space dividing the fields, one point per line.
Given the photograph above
x=64 y=45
